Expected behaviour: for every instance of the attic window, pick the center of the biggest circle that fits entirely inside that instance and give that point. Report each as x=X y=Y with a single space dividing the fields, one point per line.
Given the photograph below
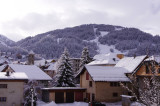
x=87 y=76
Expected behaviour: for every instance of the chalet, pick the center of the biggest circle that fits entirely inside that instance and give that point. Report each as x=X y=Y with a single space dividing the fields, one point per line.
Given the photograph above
x=12 y=88
x=102 y=83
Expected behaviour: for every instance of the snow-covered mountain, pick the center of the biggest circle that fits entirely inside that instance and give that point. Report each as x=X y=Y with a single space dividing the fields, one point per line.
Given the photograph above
x=99 y=38
x=6 y=41
x=8 y=46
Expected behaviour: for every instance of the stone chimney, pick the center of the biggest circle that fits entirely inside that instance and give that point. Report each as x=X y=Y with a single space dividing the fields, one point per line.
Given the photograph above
x=7 y=73
x=120 y=56
x=134 y=56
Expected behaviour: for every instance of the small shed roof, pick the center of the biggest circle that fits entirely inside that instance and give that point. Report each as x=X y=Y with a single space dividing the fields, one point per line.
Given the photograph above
x=64 y=88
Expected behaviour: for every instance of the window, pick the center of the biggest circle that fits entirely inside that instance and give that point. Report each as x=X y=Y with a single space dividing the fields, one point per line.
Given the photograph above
x=158 y=70
x=147 y=69
x=115 y=94
x=87 y=76
x=90 y=83
x=93 y=97
x=114 y=84
x=3 y=85
x=129 y=93
x=3 y=99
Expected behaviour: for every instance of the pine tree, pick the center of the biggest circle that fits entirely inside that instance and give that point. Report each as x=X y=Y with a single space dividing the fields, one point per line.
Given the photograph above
x=85 y=58
x=65 y=76
x=30 y=94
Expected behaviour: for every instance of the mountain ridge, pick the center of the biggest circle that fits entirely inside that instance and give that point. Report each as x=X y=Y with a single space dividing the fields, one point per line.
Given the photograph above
x=126 y=40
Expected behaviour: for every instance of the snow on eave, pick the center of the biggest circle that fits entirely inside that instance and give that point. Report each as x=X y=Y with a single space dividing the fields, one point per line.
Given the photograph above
x=63 y=88
x=13 y=76
x=127 y=96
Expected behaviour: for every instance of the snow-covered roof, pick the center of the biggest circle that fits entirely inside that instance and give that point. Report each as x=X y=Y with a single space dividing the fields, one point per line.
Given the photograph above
x=130 y=63
x=155 y=58
x=33 y=72
x=31 y=52
x=62 y=88
x=110 y=58
x=106 y=73
x=52 y=66
x=2 y=67
x=13 y=76
x=40 y=62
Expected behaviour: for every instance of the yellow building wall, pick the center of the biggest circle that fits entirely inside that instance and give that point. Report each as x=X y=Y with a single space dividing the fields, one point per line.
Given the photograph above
x=13 y=92
x=85 y=84
x=104 y=92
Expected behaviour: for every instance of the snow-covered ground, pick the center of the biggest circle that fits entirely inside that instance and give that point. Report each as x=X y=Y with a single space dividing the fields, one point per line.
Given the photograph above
x=40 y=103
x=104 y=49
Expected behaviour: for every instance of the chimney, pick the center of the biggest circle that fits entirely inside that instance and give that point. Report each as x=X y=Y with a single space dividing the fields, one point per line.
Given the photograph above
x=134 y=56
x=7 y=73
x=120 y=56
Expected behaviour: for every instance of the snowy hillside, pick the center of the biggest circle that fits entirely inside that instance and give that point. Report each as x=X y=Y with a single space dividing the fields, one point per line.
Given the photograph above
x=9 y=46
x=5 y=41
x=99 y=38
x=75 y=39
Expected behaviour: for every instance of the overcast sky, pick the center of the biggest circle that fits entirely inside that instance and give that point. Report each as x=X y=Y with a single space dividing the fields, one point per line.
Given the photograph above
x=22 y=18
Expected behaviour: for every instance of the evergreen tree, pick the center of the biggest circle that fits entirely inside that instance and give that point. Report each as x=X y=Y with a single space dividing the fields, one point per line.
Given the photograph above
x=30 y=94
x=85 y=58
x=65 y=76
